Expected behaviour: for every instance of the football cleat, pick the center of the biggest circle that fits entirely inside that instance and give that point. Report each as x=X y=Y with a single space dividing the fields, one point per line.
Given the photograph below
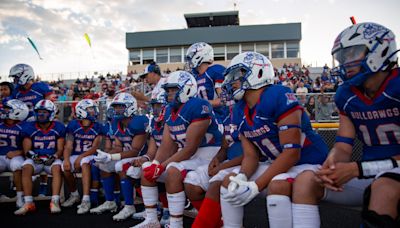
x=84 y=207
x=139 y=215
x=27 y=207
x=20 y=202
x=71 y=201
x=106 y=206
x=165 y=218
x=55 y=207
x=125 y=213
x=148 y=223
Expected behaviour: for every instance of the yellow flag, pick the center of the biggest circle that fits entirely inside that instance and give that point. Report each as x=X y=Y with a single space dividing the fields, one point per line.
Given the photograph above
x=88 y=40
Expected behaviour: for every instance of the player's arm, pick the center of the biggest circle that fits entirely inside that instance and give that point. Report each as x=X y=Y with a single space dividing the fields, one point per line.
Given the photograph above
x=107 y=144
x=217 y=101
x=290 y=140
x=194 y=135
x=250 y=157
x=167 y=147
x=138 y=143
x=69 y=145
x=149 y=156
x=60 y=147
x=26 y=145
x=140 y=96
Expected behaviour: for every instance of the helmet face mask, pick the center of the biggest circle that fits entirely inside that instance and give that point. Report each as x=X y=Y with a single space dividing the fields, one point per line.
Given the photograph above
x=251 y=69
x=22 y=74
x=180 y=87
x=123 y=106
x=87 y=109
x=45 y=111
x=199 y=53
x=14 y=110
x=362 y=50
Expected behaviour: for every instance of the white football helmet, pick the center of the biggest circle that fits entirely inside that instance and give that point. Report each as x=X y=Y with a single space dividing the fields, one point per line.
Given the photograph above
x=186 y=84
x=199 y=53
x=374 y=42
x=16 y=110
x=254 y=71
x=48 y=106
x=83 y=111
x=22 y=74
x=129 y=103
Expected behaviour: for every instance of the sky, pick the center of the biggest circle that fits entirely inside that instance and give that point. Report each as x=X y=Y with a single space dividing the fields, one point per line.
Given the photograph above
x=58 y=26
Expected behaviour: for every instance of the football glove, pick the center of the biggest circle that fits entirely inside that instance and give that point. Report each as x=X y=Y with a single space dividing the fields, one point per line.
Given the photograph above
x=240 y=191
x=152 y=171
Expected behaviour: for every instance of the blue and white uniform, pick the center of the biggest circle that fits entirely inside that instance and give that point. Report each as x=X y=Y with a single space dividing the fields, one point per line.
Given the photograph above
x=195 y=109
x=30 y=97
x=377 y=124
x=10 y=140
x=44 y=142
x=207 y=84
x=82 y=140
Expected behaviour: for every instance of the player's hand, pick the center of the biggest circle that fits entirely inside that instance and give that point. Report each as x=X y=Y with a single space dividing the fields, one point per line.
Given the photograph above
x=67 y=165
x=322 y=175
x=49 y=160
x=35 y=157
x=102 y=157
x=139 y=162
x=134 y=172
x=344 y=172
x=11 y=154
x=153 y=170
x=77 y=163
x=240 y=191
x=213 y=167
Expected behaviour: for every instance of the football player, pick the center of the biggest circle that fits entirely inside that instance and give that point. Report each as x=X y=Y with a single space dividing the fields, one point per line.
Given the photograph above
x=43 y=145
x=190 y=139
x=128 y=132
x=209 y=77
x=31 y=93
x=368 y=102
x=273 y=128
x=157 y=127
x=205 y=182
x=83 y=139
x=11 y=156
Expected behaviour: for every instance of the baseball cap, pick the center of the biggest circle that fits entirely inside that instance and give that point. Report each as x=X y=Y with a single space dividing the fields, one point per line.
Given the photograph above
x=152 y=67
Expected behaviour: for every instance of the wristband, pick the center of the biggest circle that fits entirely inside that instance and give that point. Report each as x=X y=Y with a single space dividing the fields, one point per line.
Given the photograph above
x=346 y=140
x=147 y=157
x=287 y=127
x=291 y=146
x=116 y=157
x=368 y=169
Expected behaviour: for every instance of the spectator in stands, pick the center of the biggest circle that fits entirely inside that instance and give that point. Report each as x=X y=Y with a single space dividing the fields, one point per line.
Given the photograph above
x=316 y=86
x=300 y=88
x=325 y=108
x=310 y=107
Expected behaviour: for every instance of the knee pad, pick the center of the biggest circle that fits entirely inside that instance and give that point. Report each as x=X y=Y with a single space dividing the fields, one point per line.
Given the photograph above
x=370 y=219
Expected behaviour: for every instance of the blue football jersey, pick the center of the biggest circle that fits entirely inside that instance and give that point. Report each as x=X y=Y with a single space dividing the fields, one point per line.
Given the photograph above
x=44 y=142
x=37 y=92
x=83 y=138
x=157 y=128
x=10 y=137
x=206 y=87
x=136 y=126
x=259 y=125
x=231 y=135
x=377 y=120
x=195 y=109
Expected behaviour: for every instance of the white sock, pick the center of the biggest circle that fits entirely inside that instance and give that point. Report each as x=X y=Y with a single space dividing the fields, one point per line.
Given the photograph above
x=20 y=194
x=175 y=222
x=149 y=195
x=55 y=198
x=176 y=203
x=86 y=198
x=305 y=216
x=151 y=213
x=28 y=199
x=232 y=216
x=279 y=211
